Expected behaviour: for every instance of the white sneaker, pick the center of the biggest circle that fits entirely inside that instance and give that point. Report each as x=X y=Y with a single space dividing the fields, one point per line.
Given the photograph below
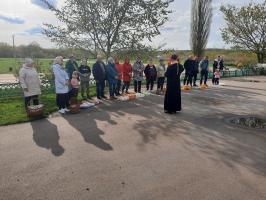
x=66 y=110
x=62 y=111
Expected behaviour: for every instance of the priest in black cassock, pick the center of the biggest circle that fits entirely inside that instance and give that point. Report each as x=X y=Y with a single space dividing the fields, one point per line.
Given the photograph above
x=172 y=101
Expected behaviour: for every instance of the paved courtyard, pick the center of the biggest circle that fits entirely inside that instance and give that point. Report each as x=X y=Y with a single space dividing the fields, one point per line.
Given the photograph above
x=133 y=151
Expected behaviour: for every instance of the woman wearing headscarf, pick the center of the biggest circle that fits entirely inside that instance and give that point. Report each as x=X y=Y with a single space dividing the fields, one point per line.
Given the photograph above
x=138 y=69
x=127 y=74
x=30 y=82
x=61 y=84
x=172 y=101
x=112 y=77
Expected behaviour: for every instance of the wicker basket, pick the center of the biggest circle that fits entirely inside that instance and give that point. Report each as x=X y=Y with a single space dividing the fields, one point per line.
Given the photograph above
x=35 y=111
x=74 y=105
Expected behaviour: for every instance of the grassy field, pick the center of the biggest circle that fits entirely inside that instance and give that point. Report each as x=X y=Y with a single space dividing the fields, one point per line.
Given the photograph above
x=231 y=58
x=12 y=66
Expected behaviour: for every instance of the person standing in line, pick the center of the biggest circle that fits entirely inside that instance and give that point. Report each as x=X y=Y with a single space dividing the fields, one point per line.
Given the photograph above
x=71 y=65
x=30 y=83
x=150 y=74
x=99 y=73
x=172 y=101
x=188 y=65
x=138 y=69
x=74 y=92
x=126 y=75
x=112 y=77
x=84 y=75
x=119 y=69
x=160 y=76
x=195 y=71
x=204 y=70
x=218 y=64
x=61 y=85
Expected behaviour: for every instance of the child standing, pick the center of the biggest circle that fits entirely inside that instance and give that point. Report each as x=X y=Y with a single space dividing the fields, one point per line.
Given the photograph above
x=74 y=85
x=217 y=76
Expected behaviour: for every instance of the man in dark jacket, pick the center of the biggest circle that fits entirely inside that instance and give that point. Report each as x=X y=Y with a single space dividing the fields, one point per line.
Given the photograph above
x=188 y=65
x=71 y=66
x=204 y=70
x=195 y=70
x=218 y=64
x=84 y=75
x=99 y=73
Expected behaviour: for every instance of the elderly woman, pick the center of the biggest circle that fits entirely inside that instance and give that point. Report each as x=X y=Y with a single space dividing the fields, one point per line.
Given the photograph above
x=61 y=84
x=112 y=77
x=30 y=82
x=138 y=69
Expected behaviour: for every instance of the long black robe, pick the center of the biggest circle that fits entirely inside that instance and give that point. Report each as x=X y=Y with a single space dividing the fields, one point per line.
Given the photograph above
x=172 y=101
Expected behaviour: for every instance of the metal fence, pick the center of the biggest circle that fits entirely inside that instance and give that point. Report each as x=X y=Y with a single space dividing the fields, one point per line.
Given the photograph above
x=13 y=90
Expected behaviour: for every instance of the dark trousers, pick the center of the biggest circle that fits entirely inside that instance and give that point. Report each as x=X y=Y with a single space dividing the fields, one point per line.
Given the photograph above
x=160 y=83
x=203 y=76
x=126 y=85
x=85 y=88
x=112 y=88
x=100 y=88
x=216 y=81
x=137 y=86
x=150 y=83
x=188 y=79
x=118 y=87
x=74 y=92
x=195 y=77
x=35 y=100
x=62 y=100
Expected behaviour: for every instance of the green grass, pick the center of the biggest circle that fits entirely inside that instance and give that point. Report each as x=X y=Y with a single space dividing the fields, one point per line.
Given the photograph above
x=12 y=66
x=12 y=110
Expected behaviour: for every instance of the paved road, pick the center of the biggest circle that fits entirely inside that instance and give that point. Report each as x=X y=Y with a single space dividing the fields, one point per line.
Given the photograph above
x=126 y=151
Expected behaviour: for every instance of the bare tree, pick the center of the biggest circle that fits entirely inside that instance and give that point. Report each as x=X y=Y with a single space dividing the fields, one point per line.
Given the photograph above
x=108 y=25
x=201 y=16
x=246 y=28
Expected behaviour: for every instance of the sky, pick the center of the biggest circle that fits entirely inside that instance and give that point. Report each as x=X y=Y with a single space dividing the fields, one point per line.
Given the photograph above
x=25 y=18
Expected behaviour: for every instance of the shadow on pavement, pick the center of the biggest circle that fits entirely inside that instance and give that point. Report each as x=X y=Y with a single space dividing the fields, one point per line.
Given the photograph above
x=201 y=127
x=87 y=126
x=46 y=135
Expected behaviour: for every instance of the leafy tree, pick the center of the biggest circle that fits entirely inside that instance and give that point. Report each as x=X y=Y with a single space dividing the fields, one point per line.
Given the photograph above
x=108 y=25
x=246 y=28
x=201 y=16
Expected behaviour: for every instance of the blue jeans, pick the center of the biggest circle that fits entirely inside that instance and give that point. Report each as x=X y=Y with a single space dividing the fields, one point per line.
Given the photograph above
x=112 y=87
x=100 y=84
x=204 y=76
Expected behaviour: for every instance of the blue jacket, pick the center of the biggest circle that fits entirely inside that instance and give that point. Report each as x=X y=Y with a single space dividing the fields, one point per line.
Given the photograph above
x=61 y=78
x=204 y=65
x=99 y=71
x=111 y=72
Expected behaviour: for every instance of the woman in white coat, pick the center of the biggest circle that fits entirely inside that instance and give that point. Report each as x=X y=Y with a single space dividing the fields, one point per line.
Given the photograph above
x=30 y=82
x=61 y=84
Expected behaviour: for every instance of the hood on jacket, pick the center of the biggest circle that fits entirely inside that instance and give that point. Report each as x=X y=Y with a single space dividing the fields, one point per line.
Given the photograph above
x=26 y=67
x=116 y=60
x=126 y=60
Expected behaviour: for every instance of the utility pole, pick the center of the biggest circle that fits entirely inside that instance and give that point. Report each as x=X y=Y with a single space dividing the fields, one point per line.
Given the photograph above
x=14 y=48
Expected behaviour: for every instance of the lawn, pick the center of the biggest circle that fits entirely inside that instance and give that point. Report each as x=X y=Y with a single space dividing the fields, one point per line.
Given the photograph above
x=12 y=110
x=11 y=65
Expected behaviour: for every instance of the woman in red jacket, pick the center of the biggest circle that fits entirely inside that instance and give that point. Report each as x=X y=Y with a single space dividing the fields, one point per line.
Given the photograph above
x=126 y=75
x=119 y=69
